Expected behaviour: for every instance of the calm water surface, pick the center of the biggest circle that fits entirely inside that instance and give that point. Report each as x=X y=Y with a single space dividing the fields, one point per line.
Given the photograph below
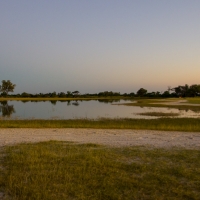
x=92 y=109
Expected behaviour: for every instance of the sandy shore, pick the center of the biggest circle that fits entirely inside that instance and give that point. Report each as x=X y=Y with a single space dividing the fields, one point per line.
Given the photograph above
x=118 y=138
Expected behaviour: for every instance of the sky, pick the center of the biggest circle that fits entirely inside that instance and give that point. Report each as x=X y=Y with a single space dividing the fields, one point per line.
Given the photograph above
x=99 y=45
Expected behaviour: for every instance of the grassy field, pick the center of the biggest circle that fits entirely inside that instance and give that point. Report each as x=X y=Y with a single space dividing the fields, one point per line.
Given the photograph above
x=61 y=170
x=167 y=124
x=159 y=103
x=193 y=100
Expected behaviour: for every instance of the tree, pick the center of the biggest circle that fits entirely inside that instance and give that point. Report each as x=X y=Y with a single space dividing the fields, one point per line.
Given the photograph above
x=53 y=94
x=24 y=94
x=75 y=93
x=7 y=86
x=166 y=94
x=194 y=90
x=69 y=93
x=62 y=94
x=141 y=92
x=181 y=90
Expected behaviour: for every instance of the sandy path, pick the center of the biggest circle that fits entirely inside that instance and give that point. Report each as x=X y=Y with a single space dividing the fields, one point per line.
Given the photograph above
x=165 y=139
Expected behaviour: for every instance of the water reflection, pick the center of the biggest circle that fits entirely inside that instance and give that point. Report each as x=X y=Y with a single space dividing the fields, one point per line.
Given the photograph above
x=24 y=101
x=6 y=110
x=53 y=102
x=108 y=100
x=75 y=103
x=91 y=109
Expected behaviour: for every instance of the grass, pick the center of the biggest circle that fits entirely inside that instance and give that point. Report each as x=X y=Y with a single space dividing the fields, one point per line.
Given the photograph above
x=159 y=114
x=60 y=170
x=193 y=100
x=167 y=124
x=159 y=103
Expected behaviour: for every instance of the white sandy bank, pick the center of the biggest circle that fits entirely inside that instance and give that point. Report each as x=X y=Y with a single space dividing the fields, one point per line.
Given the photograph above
x=118 y=138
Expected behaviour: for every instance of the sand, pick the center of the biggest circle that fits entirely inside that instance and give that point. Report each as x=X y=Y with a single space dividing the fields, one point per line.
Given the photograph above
x=110 y=137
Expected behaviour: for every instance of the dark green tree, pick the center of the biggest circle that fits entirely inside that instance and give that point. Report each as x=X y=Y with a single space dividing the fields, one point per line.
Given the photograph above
x=141 y=92
x=194 y=90
x=7 y=86
x=166 y=94
x=53 y=94
x=25 y=94
x=62 y=94
x=75 y=93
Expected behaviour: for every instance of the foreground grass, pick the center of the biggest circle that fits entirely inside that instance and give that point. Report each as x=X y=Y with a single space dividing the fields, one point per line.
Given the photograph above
x=60 y=170
x=167 y=124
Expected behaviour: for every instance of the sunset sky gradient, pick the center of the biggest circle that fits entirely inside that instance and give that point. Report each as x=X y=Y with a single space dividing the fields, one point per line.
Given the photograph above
x=102 y=45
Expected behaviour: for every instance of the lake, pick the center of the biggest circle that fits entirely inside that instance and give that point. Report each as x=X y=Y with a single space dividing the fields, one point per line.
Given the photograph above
x=90 y=109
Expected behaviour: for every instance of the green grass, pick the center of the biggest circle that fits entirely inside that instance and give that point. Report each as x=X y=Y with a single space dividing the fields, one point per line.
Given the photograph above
x=167 y=124
x=60 y=170
x=195 y=100
x=159 y=103
x=159 y=114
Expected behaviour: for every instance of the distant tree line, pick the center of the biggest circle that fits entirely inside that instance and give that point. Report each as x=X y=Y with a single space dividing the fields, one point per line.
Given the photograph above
x=187 y=91
x=179 y=91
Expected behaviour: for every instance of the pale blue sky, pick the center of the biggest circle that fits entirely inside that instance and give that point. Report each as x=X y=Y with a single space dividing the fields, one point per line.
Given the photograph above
x=99 y=45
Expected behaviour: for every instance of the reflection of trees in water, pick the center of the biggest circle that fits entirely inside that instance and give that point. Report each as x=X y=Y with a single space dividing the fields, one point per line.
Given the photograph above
x=69 y=103
x=75 y=103
x=53 y=102
x=7 y=110
x=108 y=100
x=24 y=101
